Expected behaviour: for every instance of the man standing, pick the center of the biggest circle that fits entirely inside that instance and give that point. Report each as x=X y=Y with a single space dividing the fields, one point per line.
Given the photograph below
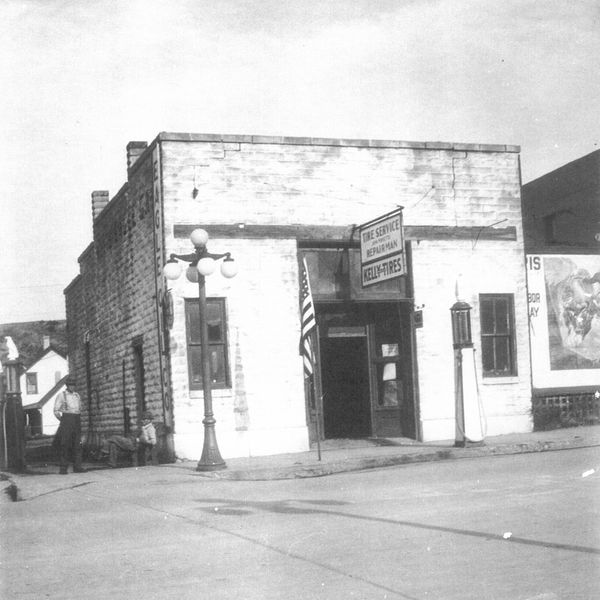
x=67 y=410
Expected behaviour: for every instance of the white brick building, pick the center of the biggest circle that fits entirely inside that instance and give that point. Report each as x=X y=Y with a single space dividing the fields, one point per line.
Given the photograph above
x=270 y=202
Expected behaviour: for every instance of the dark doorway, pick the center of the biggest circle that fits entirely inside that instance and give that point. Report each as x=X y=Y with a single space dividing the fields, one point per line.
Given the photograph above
x=346 y=391
x=365 y=371
x=34 y=421
x=140 y=384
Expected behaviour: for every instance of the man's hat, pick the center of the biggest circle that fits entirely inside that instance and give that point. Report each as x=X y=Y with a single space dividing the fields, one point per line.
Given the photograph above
x=147 y=415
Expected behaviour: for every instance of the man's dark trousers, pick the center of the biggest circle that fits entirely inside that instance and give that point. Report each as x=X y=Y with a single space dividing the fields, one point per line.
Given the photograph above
x=69 y=433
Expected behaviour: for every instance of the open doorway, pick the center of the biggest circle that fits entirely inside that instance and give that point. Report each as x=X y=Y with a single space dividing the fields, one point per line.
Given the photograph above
x=365 y=372
x=345 y=382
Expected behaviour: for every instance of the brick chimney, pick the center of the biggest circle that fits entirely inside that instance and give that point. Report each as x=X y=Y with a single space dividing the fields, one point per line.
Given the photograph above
x=99 y=201
x=46 y=341
x=134 y=151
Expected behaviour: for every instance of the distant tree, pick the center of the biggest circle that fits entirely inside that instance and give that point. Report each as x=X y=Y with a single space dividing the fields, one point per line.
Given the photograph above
x=29 y=338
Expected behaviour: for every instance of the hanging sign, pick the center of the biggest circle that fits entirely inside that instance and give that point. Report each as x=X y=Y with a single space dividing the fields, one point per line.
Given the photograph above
x=382 y=249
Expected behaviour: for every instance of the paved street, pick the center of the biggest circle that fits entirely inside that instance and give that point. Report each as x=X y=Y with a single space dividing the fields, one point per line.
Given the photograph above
x=506 y=527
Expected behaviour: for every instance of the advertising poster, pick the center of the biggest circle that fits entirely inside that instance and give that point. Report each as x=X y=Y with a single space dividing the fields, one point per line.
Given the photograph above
x=564 y=320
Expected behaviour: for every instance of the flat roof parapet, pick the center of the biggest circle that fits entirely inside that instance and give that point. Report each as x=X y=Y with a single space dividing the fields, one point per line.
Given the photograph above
x=309 y=141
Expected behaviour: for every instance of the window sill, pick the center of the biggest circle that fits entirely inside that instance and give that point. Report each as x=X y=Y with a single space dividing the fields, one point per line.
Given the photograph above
x=216 y=393
x=500 y=380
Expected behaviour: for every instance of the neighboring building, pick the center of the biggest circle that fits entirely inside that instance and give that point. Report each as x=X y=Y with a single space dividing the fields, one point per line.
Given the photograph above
x=561 y=221
x=39 y=416
x=386 y=358
x=40 y=384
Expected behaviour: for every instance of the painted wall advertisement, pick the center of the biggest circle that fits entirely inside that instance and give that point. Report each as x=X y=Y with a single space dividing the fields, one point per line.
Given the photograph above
x=564 y=320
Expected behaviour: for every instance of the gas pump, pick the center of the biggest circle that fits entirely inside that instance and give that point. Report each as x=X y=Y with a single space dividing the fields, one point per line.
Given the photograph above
x=469 y=414
x=12 y=416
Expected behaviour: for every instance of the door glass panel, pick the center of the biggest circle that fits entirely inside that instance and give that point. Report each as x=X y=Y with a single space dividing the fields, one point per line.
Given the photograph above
x=390 y=386
x=387 y=335
x=387 y=355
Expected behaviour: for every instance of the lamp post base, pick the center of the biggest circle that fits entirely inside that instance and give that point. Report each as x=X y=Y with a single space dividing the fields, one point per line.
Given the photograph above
x=211 y=457
x=208 y=464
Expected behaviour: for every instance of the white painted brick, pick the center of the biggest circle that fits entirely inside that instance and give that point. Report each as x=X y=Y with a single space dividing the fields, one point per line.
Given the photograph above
x=281 y=184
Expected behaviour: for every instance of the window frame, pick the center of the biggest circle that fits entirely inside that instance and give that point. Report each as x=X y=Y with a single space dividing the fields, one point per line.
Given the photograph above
x=191 y=304
x=29 y=385
x=509 y=336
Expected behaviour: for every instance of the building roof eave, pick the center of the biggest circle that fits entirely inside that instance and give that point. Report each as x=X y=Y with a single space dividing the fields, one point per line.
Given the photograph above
x=48 y=395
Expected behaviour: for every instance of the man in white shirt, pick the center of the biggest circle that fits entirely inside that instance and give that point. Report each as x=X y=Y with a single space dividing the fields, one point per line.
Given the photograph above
x=67 y=408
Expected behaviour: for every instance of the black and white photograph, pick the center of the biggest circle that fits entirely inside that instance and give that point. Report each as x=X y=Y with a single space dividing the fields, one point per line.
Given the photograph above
x=300 y=300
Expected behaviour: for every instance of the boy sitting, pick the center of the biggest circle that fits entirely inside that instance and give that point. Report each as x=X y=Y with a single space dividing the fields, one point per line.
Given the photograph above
x=147 y=440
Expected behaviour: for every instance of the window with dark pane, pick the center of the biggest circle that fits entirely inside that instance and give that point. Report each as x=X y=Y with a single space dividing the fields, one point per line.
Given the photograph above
x=498 y=356
x=217 y=343
x=31 y=383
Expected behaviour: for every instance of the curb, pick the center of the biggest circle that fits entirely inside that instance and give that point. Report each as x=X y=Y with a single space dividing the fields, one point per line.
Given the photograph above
x=13 y=490
x=360 y=464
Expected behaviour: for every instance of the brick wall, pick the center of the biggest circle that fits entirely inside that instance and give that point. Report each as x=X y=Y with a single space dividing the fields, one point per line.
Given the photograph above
x=330 y=184
x=265 y=181
x=263 y=412
x=112 y=302
x=490 y=267
x=561 y=209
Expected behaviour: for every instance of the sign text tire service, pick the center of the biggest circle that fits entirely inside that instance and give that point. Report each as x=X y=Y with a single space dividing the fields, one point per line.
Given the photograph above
x=382 y=249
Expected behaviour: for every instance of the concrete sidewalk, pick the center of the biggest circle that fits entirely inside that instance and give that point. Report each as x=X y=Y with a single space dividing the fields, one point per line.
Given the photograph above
x=337 y=456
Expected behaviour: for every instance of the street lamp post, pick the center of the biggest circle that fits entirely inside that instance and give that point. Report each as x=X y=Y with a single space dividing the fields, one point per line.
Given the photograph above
x=203 y=263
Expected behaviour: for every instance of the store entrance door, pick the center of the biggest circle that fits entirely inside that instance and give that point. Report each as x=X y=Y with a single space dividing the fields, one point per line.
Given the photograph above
x=345 y=384
x=365 y=372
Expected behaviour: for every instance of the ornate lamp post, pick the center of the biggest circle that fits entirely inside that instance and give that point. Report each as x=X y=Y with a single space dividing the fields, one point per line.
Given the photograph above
x=203 y=263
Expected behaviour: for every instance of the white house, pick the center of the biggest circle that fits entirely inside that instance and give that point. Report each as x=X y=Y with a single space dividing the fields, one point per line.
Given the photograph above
x=40 y=384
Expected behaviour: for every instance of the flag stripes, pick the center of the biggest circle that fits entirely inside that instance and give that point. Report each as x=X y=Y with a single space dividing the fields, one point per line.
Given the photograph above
x=308 y=321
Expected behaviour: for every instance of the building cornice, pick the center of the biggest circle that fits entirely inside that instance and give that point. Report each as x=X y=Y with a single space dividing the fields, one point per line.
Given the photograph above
x=339 y=142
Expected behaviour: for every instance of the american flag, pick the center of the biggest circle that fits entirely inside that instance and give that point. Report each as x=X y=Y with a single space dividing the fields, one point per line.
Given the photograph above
x=308 y=321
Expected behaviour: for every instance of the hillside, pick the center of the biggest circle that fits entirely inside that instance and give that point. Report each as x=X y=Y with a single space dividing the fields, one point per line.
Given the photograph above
x=29 y=338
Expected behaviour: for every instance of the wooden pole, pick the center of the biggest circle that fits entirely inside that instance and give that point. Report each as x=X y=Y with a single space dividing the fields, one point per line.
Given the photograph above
x=318 y=399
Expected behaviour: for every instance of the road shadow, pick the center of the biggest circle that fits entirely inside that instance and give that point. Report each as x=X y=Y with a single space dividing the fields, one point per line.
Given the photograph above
x=226 y=507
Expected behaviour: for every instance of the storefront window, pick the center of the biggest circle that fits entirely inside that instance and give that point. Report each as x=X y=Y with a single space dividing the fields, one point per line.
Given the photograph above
x=217 y=343
x=335 y=274
x=497 y=335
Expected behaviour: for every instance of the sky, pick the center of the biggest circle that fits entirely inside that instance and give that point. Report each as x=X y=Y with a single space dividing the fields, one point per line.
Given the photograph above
x=80 y=80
